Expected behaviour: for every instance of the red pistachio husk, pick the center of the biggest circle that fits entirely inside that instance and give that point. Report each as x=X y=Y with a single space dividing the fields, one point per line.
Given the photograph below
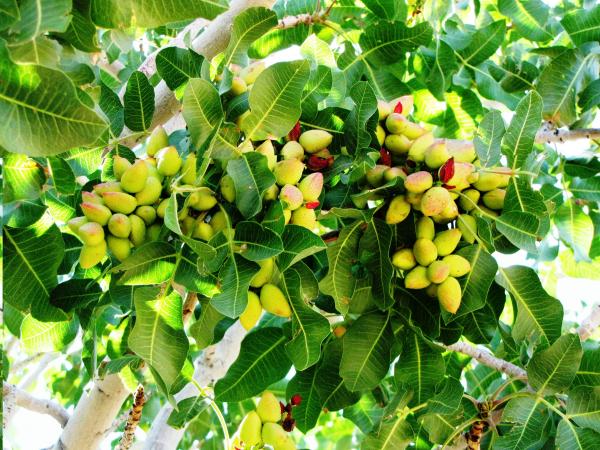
x=316 y=163
x=447 y=171
x=296 y=398
x=398 y=108
x=294 y=134
x=385 y=157
x=448 y=186
x=288 y=424
x=282 y=406
x=310 y=205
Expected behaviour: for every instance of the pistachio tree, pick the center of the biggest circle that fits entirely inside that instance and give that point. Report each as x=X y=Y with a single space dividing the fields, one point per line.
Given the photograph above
x=302 y=223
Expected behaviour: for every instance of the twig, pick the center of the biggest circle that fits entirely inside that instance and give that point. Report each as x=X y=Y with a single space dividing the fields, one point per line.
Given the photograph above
x=486 y=358
x=38 y=405
x=34 y=375
x=133 y=419
x=189 y=305
x=590 y=324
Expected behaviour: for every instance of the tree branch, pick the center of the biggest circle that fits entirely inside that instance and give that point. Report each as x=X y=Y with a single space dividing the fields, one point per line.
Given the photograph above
x=24 y=399
x=590 y=324
x=486 y=358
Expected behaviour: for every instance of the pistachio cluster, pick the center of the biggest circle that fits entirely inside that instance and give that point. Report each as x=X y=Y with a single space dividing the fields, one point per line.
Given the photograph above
x=269 y=424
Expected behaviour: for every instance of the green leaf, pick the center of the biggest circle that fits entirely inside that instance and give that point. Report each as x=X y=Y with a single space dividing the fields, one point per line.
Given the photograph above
x=374 y=248
x=586 y=188
x=187 y=274
x=590 y=96
x=40 y=16
x=248 y=26
x=186 y=411
x=489 y=137
x=484 y=43
x=520 y=228
x=62 y=176
x=583 y=25
x=309 y=328
x=152 y=263
x=356 y=131
x=393 y=434
x=83 y=161
x=75 y=294
x=530 y=418
x=158 y=336
x=588 y=373
x=558 y=85
x=537 y=312
x=528 y=16
x=262 y=361
x=81 y=32
x=23 y=177
x=257 y=242
x=367 y=351
x=331 y=387
x=575 y=228
x=139 y=102
x=305 y=384
x=386 y=9
x=441 y=427
x=339 y=281
x=366 y=414
x=569 y=437
x=298 y=243
x=520 y=196
x=420 y=366
x=440 y=64
x=152 y=13
x=203 y=329
x=318 y=52
x=41 y=50
x=447 y=399
x=9 y=14
x=234 y=277
x=40 y=337
x=31 y=259
x=275 y=100
x=552 y=370
x=202 y=110
x=251 y=178
x=583 y=407
x=49 y=118
x=177 y=65
x=517 y=142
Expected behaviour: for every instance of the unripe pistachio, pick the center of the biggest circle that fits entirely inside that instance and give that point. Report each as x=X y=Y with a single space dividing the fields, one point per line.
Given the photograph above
x=183 y=213
x=375 y=175
x=459 y=266
x=304 y=217
x=250 y=74
x=267 y=149
x=151 y=192
x=153 y=232
x=291 y=197
x=268 y=406
x=238 y=86
x=96 y=213
x=449 y=213
x=120 y=165
x=202 y=230
x=202 y=200
x=446 y=241
x=488 y=181
x=311 y=186
x=287 y=216
x=418 y=182
x=384 y=109
x=134 y=178
x=398 y=144
x=425 y=251
x=463 y=153
x=169 y=161
x=273 y=301
x=380 y=133
x=161 y=209
x=314 y=140
x=119 y=225
x=425 y=228
x=438 y=271
x=245 y=147
x=470 y=202
x=494 y=199
x=138 y=230
x=417 y=278
x=504 y=173
x=109 y=186
x=414 y=200
x=251 y=427
x=188 y=170
x=449 y=294
x=398 y=210
x=436 y=155
x=76 y=223
x=417 y=150
x=264 y=274
x=274 y=435
x=227 y=188
x=92 y=254
x=187 y=225
x=120 y=202
x=404 y=259
x=288 y=171
x=157 y=141
x=292 y=150
x=91 y=197
x=91 y=233
x=391 y=173
x=462 y=175
x=484 y=211
x=431 y=290
x=271 y=193
x=434 y=201
x=147 y=213
x=218 y=221
x=241 y=118
x=151 y=164
x=468 y=227
x=252 y=312
x=119 y=247
x=398 y=124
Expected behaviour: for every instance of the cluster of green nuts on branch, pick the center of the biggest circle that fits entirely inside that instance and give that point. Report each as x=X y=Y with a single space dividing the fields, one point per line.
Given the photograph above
x=446 y=188
x=269 y=424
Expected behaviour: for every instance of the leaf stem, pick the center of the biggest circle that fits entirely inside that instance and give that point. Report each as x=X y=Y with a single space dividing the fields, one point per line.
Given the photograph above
x=216 y=410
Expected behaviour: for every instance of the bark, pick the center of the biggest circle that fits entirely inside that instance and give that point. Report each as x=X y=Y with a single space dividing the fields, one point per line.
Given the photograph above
x=93 y=415
x=486 y=358
x=213 y=365
x=14 y=396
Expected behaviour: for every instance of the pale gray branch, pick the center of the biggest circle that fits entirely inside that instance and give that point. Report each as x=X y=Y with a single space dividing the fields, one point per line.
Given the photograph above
x=24 y=399
x=486 y=358
x=590 y=324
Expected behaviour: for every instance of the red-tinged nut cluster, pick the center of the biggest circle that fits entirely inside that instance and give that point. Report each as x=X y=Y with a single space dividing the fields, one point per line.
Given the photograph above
x=312 y=205
x=446 y=172
x=398 y=108
x=385 y=157
x=294 y=134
